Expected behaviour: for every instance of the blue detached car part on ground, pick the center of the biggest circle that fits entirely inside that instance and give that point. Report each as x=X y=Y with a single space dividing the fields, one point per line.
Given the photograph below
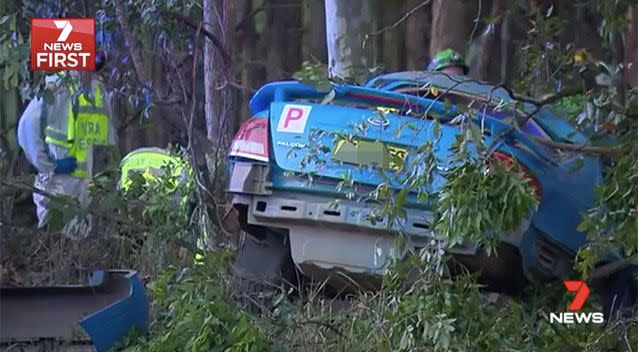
x=293 y=224
x=101 y=313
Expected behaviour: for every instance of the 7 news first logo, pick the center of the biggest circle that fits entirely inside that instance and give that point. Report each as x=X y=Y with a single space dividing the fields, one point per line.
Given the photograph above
x=59 y=44
x=574 y=316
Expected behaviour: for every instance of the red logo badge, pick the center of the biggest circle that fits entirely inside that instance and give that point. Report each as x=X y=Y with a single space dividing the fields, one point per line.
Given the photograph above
x=582 y=292
x=59 y=44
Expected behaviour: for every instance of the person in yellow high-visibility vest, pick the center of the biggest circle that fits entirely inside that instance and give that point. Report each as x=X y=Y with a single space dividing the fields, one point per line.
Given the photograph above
x=152 y=162
x=57 y=130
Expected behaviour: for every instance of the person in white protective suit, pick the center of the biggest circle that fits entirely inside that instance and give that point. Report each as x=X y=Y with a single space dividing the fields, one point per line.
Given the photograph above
x=57 y=131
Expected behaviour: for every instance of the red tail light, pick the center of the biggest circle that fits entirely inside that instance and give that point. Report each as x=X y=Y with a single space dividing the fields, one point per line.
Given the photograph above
x=251 y=141
x=513 y=164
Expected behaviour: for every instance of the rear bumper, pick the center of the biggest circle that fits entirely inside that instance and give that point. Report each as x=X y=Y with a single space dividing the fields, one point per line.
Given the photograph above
x=296 y=208
x=335 y=235
x=338 y=238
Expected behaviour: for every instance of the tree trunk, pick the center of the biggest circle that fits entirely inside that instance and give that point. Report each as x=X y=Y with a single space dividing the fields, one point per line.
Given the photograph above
x=246 y=39
x=631 y=49
x=316 y=34
x=507 y=49
x=211 y=24
x=417 y=38
x=489 y=68
x=452 y=24
x=283 y=39
x=394 y=38
x=134 y=46
x=347 y=24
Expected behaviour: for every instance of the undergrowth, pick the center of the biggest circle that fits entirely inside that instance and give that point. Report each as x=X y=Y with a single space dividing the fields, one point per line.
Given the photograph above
x=195 y=311
x=193 y=308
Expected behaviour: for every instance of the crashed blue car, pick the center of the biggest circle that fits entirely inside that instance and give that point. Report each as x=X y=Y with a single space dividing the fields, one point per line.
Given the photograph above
x=295 y=226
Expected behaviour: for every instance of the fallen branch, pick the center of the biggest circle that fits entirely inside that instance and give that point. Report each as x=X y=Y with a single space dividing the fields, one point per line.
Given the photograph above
x=538 y=105
x=546 y=100
x=587 y=148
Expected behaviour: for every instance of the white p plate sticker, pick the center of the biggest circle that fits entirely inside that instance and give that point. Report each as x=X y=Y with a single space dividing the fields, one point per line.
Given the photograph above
x=293 y=118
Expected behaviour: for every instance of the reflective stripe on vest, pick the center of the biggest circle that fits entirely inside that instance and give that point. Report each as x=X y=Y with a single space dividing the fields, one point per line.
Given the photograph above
x=56 y=137
x=87 y=124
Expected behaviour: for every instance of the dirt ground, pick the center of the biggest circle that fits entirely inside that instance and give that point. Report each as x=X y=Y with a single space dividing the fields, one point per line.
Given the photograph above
x=36 y=257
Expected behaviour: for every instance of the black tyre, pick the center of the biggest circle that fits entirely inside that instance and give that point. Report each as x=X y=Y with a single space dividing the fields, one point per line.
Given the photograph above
x=263 y=269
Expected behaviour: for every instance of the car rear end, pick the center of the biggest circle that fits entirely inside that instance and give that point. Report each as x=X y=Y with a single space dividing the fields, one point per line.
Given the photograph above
x=299 y=166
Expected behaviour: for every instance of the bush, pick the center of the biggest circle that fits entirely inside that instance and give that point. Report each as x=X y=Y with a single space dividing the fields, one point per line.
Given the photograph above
x=195 y=312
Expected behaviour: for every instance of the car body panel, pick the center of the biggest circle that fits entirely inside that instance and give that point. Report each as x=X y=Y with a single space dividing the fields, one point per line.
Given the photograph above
x=113 y=303
x=300 y=122
x=569 y=190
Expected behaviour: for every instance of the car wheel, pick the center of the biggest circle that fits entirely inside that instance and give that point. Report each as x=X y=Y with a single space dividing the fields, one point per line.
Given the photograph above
x=621 y=292
x=263 y=269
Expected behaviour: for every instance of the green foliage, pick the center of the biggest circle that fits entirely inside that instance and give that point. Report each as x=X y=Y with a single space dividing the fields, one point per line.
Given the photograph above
x=151 y=223
x=613 y=224
x=419 y=307
x=612 y=13
x=542 y=55
x=481 y=201
x=314 y=74
x=196 y=313
x=14 y=52
x=570 y=107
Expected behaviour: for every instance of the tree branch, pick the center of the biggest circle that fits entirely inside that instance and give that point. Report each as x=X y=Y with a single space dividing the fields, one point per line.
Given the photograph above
x=587 y=148
x=244 y=21
x=130 y=39
x=538 y=105
x=214 y=40
x=403 y=18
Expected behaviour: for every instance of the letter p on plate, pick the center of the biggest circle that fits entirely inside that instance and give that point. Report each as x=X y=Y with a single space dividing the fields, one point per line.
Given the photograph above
x=293 y=118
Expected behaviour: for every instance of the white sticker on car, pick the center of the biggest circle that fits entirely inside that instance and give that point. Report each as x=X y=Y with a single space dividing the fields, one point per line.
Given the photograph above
x=293 y=118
